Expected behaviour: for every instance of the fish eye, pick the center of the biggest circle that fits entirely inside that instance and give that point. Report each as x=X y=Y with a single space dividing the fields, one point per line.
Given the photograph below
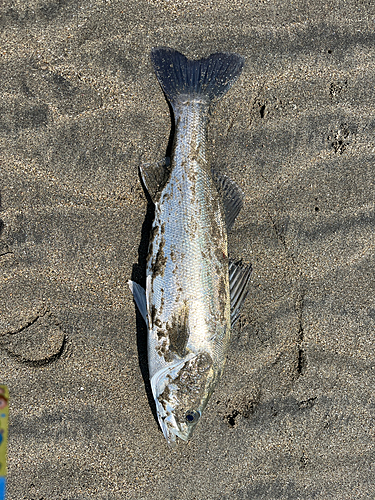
x=192 y=416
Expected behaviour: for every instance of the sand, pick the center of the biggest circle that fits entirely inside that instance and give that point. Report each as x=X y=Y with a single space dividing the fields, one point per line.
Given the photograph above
x=293 y=416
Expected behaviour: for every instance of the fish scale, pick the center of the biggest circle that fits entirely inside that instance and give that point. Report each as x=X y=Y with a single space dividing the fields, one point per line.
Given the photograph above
x=188 y=201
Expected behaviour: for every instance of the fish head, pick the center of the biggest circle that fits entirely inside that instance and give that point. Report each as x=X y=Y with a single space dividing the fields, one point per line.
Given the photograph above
x=181 y=392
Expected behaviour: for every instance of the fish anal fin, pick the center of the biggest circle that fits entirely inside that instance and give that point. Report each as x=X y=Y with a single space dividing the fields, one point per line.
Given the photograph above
x=239 y=278
x=154 y=176
x=232 y=197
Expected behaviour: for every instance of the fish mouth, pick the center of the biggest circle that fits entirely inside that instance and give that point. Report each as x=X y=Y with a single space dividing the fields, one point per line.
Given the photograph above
x=169 y=424
x=172 y=428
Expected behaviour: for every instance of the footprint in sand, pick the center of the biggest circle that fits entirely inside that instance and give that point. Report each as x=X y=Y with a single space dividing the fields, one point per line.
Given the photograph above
x=37 y=341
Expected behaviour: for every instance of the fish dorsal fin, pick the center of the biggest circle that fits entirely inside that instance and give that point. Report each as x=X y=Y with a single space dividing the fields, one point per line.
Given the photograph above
x=232 y=197
x=239 y=277
x=154 y=176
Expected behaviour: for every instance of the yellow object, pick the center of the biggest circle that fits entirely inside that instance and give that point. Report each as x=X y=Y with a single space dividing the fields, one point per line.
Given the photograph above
x=4 y=413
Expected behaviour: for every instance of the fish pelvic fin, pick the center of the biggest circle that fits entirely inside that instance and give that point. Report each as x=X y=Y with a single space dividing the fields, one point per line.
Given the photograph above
x=204 y=79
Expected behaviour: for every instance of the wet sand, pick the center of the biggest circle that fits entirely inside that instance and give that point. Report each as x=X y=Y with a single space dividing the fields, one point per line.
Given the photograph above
x=293 y=417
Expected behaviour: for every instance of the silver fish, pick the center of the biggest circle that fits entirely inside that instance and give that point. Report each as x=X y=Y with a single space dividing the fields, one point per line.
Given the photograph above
x=193 y=291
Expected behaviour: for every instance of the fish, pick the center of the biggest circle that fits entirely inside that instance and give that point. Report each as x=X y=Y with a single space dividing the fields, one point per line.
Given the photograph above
x=194 y=291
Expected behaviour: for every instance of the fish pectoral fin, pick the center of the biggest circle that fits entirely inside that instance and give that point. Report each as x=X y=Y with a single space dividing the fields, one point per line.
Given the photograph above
x=139 y=296
x=154 y=176
x=239 y=277
x=232 y=197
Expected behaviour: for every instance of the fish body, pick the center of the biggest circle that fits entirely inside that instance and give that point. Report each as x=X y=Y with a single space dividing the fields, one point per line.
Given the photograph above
x=187 y=302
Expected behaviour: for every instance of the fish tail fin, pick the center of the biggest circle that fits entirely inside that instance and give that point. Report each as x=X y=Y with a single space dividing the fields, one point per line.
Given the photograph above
x=205 y=79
